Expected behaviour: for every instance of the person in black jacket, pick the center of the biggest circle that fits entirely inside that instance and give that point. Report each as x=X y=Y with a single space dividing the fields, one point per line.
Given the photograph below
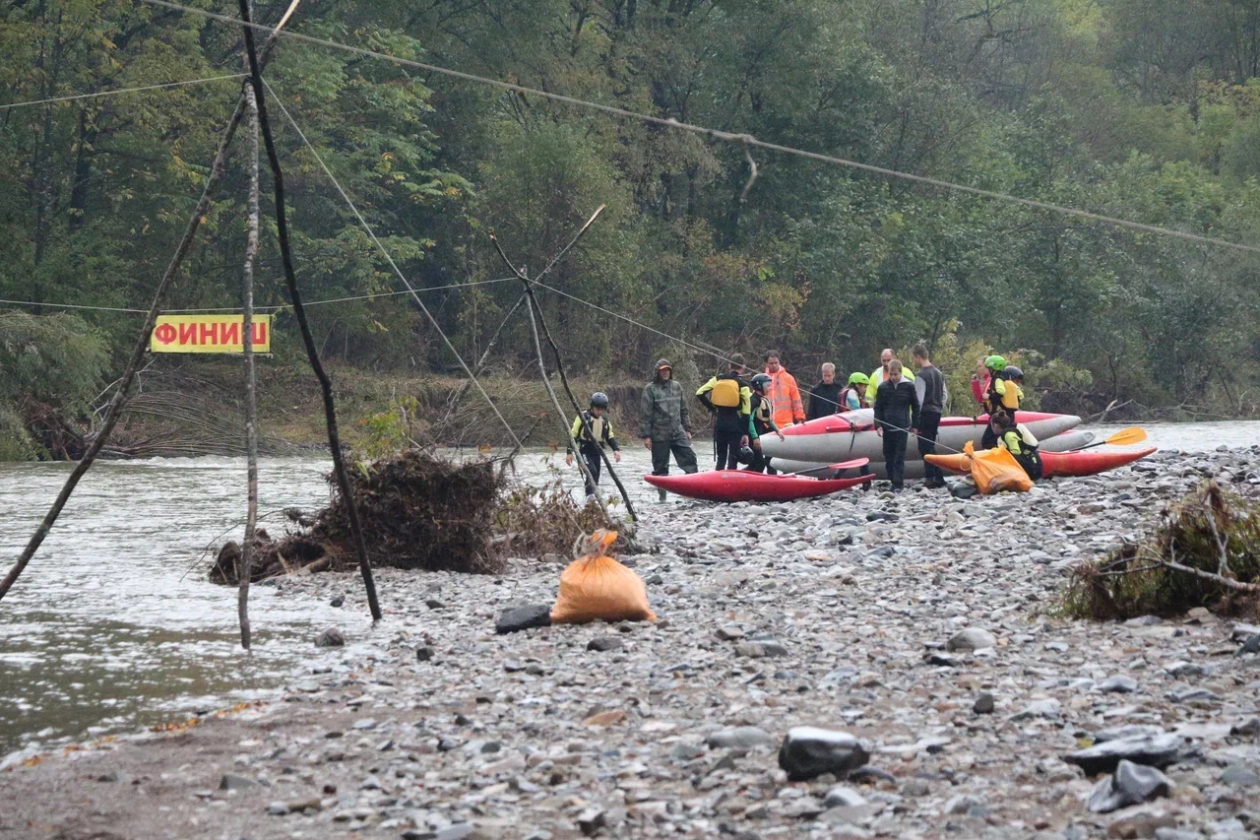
x=896 y=414
x=932 y=381
x=824 y=398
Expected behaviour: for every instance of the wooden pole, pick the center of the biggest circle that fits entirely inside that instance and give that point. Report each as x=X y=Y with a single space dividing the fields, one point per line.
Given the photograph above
x=251 y=406
x=299 y=311
x=564 y=379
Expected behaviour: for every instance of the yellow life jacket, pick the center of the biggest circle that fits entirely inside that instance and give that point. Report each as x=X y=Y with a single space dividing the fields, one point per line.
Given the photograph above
x=1012 y=396
x=725 y=393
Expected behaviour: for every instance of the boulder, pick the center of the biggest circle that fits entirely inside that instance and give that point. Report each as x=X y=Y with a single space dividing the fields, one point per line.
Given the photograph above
x=808 y=752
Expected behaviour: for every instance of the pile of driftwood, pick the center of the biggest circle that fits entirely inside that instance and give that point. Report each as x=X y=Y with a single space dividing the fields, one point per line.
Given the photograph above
x=1204 y=553
x=422 y=512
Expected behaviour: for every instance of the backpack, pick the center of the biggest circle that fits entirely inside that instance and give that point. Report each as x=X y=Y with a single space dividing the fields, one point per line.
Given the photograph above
x=725 y=393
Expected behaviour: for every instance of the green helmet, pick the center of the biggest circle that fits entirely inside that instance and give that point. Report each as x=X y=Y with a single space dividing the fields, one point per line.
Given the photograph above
x=997 y=363
x=859 y=379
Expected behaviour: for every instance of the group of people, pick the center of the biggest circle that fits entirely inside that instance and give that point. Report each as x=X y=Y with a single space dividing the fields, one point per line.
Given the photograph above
x=748 y=406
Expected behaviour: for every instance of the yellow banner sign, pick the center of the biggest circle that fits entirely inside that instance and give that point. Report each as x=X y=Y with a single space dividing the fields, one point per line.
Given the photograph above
x=208 y=334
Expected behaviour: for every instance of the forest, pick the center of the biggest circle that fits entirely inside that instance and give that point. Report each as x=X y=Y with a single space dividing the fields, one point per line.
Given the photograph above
x=1145 y=110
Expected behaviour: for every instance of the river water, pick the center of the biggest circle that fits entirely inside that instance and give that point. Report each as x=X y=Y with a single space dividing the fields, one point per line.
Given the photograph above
x=114 y=626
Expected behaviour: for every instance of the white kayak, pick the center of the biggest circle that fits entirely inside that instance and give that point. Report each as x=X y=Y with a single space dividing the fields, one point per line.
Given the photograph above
x=843 y=437
x=1066 y=442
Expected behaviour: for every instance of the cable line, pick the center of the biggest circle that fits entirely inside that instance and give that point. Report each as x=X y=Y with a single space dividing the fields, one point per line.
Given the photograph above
x=747 y=139
x=118 y=91
x=372 y=235
x=273 y=308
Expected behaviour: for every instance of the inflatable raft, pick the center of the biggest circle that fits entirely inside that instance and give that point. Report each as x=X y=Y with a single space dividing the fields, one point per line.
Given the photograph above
x=841 y=437
x=1074 y=439
x=745 y=486
x=1060 y=464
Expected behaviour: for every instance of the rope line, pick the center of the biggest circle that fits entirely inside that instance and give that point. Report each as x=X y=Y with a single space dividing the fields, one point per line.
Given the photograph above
x=385 y=253
x=274 y=308
x=118 y=91
x=746 y=139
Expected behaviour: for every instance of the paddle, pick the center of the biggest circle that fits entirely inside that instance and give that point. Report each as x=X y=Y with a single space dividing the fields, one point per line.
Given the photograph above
x=1124 y=437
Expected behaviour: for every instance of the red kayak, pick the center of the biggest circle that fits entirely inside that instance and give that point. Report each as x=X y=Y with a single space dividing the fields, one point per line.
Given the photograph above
x=745 y=486
x=1060 y=464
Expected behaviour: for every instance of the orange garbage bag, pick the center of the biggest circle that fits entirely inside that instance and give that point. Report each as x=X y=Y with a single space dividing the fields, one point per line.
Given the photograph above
x=596 y=587
x=995 y=470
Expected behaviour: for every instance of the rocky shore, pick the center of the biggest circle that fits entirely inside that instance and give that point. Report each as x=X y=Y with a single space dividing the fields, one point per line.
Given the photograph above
x=922 y=627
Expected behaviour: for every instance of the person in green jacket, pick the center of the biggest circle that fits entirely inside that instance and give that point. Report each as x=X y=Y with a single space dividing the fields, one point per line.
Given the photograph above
x=664 y=422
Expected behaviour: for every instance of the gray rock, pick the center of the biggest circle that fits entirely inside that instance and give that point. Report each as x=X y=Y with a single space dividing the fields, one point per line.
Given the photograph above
x=278 y=809
x=984 y=705
x=1132 y=730
x=591 y=820
x=1167 y=833
x=730 y=633
x=1236 y=775
x=962 y=489
x=916 y=787
x=843 y=797
x=1038 y=709
x=365 y=723
x=962 y=804
x=973 y=638
x=741 y=737
x=1151 y=750
x=111 y=776
x=523 y=618
x=1132 y=784
x=1251 y=727
x=808 y=752
x=1189 y=694
x=424 y=654
x=1181 y=670
x=1252 y=645
x=458 y=831
x=337 y=602
x=330 y=638
x=231 y=781
x=1119 y=684
x=603 y=644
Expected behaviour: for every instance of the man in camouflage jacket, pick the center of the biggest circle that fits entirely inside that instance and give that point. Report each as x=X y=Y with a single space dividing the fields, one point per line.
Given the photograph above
x=664 y=421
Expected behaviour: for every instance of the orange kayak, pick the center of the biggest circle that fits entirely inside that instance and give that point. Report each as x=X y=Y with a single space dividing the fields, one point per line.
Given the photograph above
x=1062 y=464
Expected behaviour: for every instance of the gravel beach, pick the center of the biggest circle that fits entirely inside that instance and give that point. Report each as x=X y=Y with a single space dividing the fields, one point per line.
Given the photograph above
x=923 y=626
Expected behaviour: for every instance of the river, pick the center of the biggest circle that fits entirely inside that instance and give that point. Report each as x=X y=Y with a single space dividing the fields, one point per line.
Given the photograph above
x=114 y=626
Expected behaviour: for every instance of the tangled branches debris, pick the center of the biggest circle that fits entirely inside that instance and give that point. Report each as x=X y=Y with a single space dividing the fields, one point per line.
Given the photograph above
x=1204 y=553
x=422 y=512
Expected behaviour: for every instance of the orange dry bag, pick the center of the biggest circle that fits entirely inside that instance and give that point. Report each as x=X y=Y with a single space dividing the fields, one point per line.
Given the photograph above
x=596 y=587
x=995 y=470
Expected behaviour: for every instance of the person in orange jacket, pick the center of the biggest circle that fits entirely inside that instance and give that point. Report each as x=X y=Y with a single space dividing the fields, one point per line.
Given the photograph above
x=785 y=397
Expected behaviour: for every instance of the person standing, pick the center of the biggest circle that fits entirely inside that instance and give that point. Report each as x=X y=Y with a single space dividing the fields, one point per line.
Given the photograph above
x=896 y=415
x=761 y=423
x=880 y=374
x=785 y=397
x=854 y=396
x=930 y=408
x=664 y=422
x=601 y=436
x=729 y=398
x=824 y=398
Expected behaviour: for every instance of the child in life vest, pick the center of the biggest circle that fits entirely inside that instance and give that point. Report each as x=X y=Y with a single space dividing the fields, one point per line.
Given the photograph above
x=591 y=432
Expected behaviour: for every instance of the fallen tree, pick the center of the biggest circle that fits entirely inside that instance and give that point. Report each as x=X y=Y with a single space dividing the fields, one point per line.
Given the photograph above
x=1205 y=552
x=423 y=512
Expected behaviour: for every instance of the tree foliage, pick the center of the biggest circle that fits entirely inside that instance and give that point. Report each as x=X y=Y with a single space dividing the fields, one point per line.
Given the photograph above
x=1143 y=109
